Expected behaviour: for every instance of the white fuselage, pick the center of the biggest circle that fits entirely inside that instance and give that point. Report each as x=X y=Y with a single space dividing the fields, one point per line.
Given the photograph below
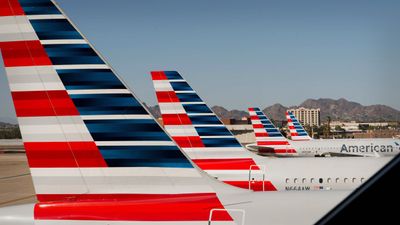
x=308 y=174
x=332 y=173
x=358 y=147
x=376 y=147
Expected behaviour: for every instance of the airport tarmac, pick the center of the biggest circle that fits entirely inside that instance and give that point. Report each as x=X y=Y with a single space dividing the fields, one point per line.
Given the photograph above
x=16 y=185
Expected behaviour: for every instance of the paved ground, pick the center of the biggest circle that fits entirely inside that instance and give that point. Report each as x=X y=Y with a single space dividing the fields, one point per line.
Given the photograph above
x=15 y=181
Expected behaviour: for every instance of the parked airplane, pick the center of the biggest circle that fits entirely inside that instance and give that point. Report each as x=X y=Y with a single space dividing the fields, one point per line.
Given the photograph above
x=355 y=146
x=303 y=145
x=95 y=154
x=213 y=148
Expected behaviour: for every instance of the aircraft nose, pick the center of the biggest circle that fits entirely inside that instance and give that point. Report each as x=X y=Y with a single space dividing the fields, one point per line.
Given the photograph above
x=17 y=215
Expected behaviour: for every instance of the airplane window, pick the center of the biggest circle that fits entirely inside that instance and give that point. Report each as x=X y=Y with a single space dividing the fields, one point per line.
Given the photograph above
x=304 y=180
x=345 y=180
x=312 y=180
x=362 y=179
x=354 y=180
x=321 y=180
x=337 y=180
x=329 y=180
x=287 y=180
x=295 y=180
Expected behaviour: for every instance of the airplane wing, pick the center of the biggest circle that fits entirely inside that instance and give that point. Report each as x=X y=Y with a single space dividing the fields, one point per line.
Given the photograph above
x=95 y=153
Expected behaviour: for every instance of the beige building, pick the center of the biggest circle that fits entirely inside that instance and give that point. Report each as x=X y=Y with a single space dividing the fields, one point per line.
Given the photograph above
x=307 y=116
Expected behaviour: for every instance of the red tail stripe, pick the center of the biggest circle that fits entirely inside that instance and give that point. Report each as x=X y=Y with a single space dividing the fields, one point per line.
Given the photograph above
x=158 y=75
x=255 y=186
x=291 y=127
x=273 y=143
x=24 y=53
x=188 y=141
x=63 y=154
x=255 y=126
x=285 y=151
x=43 y=103
x=261 y=134
x=254 y=118
x=226 y=164
x=167 y=96
x=11 y=8
x=134 y=207
x=176 y=119
x=294 y=134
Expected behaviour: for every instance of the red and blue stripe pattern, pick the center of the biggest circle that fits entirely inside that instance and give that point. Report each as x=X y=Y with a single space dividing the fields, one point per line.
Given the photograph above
x=267 y=135
x=297 y=131
x=198 y=131
x=95 y=153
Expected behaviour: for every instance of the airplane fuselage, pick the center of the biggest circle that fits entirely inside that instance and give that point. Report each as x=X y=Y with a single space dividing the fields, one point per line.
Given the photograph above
x=357 y=147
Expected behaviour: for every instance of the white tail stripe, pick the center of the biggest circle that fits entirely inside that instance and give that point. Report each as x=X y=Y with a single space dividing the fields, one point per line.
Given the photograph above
x=181 y=130
x=178 y=92
x=208 y=125
x=162 y=85
x=115 y=172
x=200 y=114
x=135 y=143
x=171 y=108
x=53 y=128
x=123 y=185
x=82 y=66
x=45 y=17
x=99 y=91
x=16 y=28
x=33 y=78
x=216 y=137
x=69 y=41
x=206 y=154
x=211 y=149
x=115 y=117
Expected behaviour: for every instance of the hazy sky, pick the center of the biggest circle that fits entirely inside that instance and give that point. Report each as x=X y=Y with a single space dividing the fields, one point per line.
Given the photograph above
x=248 y=53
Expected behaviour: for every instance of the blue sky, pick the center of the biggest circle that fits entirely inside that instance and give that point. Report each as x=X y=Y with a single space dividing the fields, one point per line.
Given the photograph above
x=248 y=53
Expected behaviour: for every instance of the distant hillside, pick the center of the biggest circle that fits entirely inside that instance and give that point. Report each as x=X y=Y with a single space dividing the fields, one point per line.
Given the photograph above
x=346 y=110
x=276 y=111
x=226 y=114
x=340 y=109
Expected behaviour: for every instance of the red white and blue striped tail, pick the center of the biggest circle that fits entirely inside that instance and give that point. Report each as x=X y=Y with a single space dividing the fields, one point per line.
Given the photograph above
x=199 y=132
x=267 y=135
x=297 y=131
x=96 y=155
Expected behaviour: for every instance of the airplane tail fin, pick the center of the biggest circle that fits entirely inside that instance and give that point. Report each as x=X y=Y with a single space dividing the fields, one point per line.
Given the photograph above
x=297 y=131
x=267 y=134
x=88 y=139
x=199 y=132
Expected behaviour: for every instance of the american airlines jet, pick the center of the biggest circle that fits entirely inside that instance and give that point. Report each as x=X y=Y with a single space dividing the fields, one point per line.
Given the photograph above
x=213 y=148
x=267 y=137
x=96 y=155
x=360 y=146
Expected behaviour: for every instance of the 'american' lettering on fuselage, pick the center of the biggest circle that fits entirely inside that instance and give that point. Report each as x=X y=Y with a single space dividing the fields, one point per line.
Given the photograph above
x=367 y=148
